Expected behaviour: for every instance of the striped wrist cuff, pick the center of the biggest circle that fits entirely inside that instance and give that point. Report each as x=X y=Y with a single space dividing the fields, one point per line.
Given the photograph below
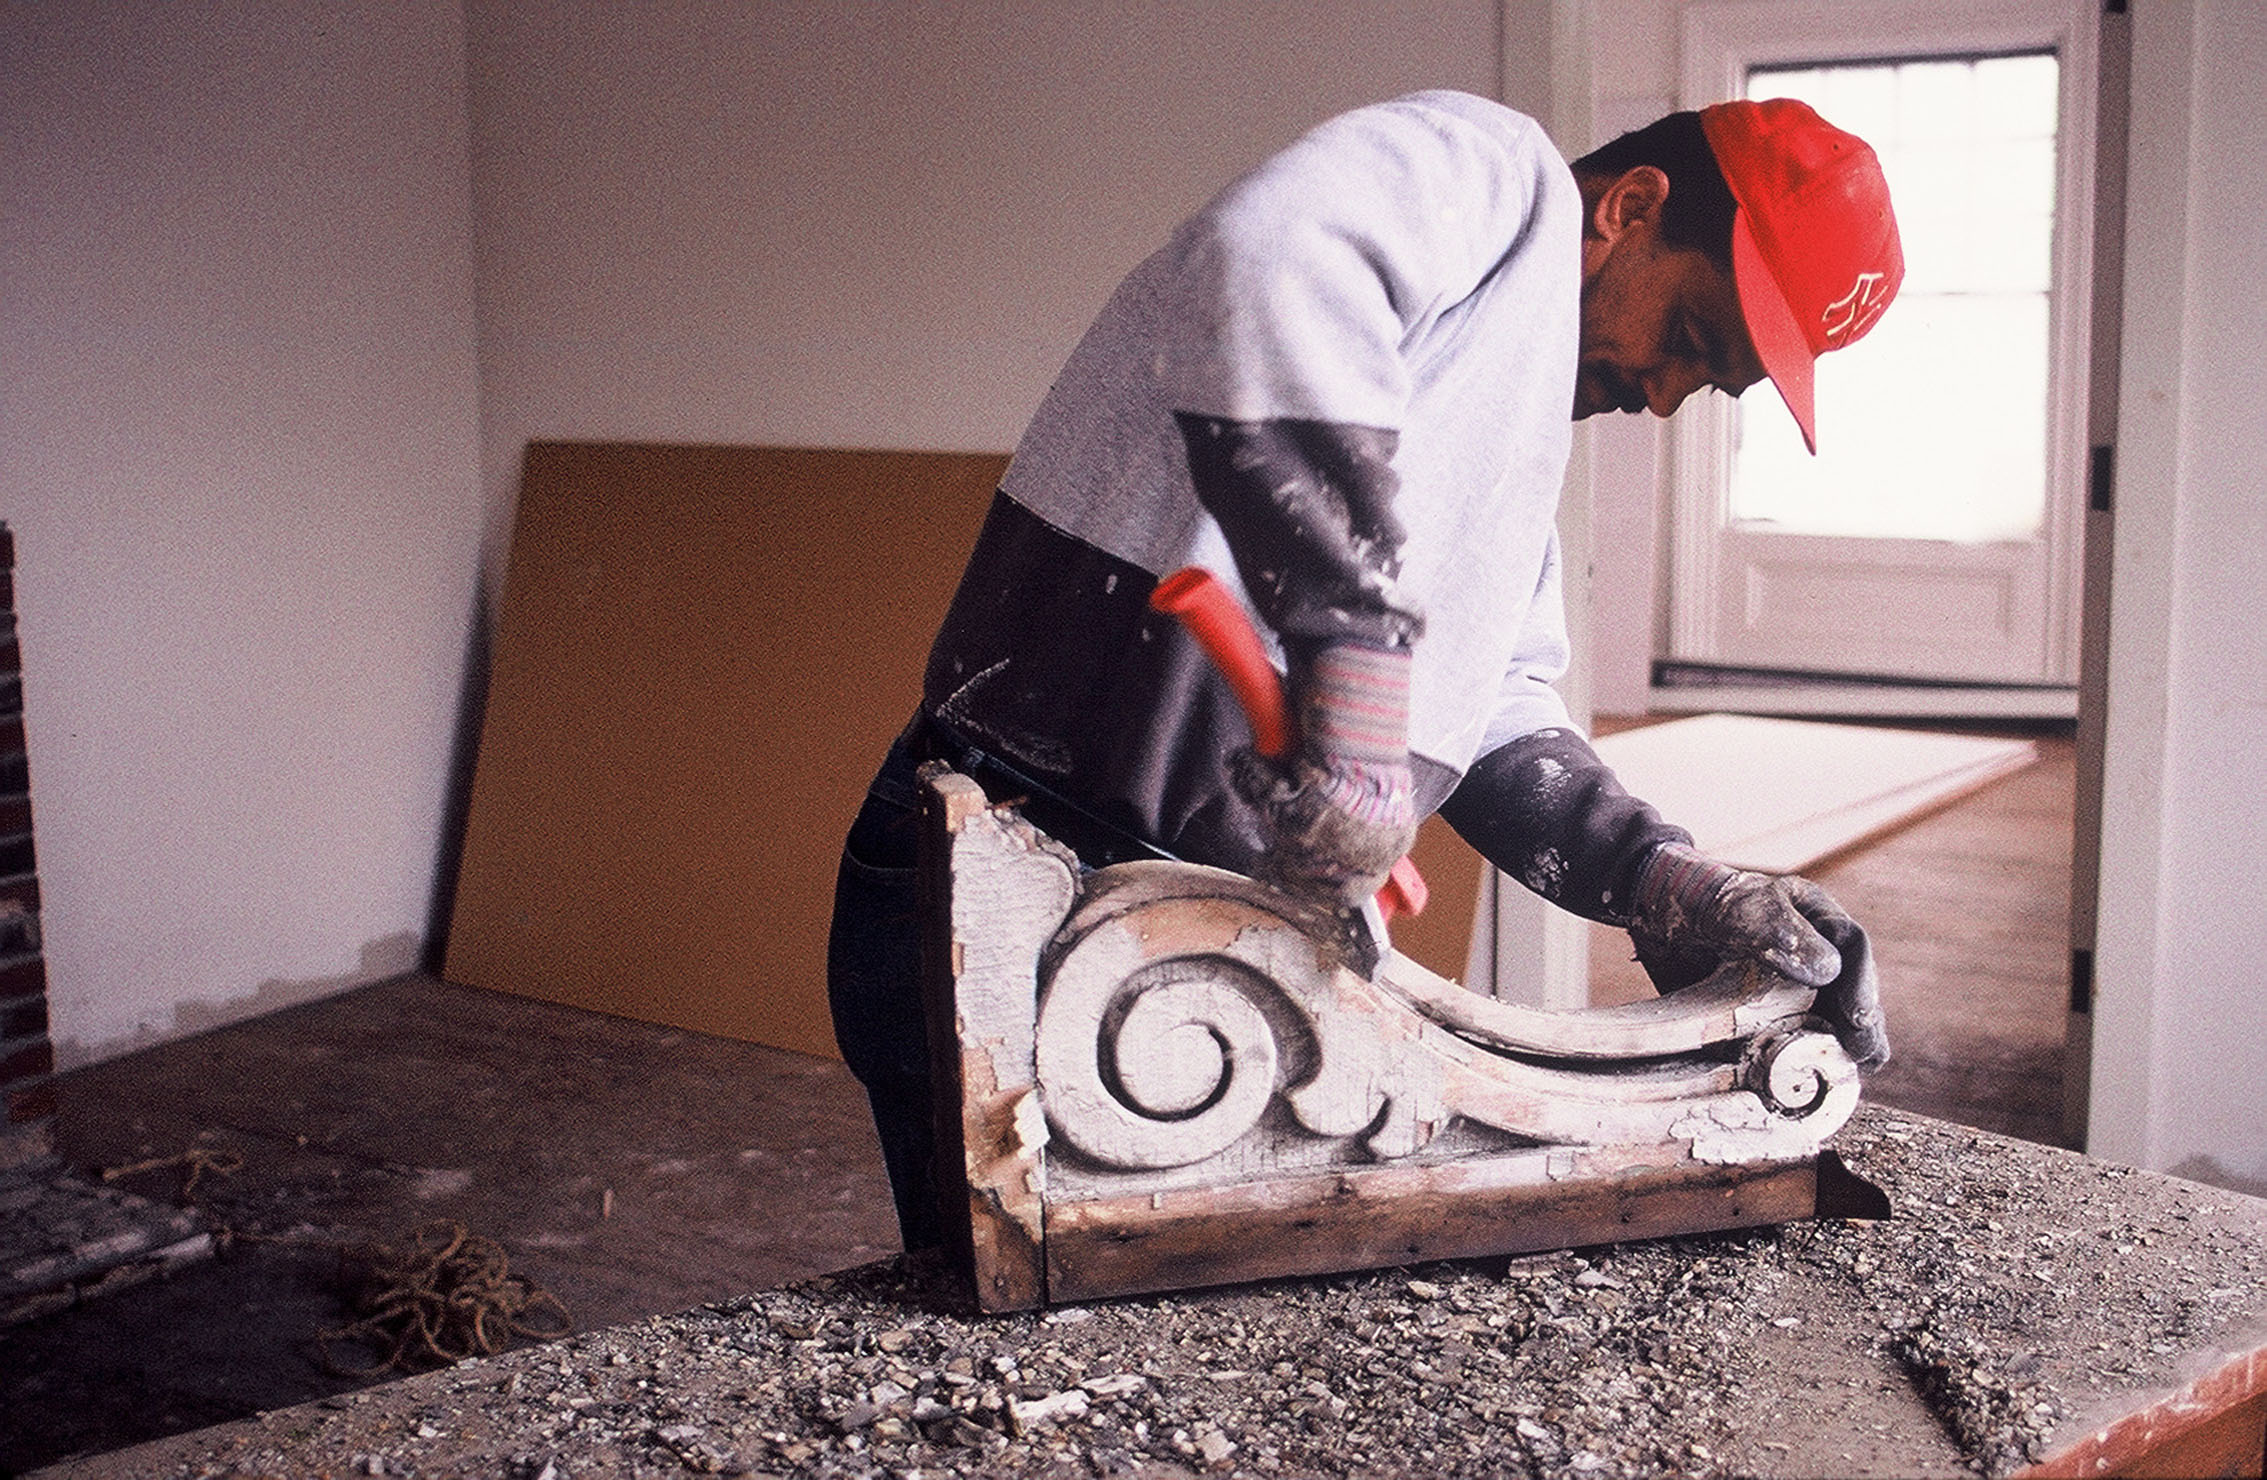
x=1380 y=795
x=1354 y=706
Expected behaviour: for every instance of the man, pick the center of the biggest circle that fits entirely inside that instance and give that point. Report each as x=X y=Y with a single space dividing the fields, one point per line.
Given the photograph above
x=1343 y=387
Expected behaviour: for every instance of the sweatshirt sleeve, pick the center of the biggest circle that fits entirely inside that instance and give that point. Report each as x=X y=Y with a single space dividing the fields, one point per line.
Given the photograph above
x=1540 y=803
x=1291 y=297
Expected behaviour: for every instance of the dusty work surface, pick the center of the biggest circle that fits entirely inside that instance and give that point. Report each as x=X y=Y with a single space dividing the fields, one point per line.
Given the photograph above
x=2021 y=1297
x=629 y=1168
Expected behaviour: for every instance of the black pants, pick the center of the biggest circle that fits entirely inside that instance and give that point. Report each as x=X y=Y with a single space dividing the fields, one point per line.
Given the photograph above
x=874 y=987
x=874 y=947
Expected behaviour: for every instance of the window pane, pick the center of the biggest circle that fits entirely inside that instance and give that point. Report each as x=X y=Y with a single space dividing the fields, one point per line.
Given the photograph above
x=1935 y=102
x=2017 y=96
x=1934 y=426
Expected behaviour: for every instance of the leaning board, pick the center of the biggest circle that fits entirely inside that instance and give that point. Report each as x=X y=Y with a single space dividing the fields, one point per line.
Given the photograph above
x=702 y=654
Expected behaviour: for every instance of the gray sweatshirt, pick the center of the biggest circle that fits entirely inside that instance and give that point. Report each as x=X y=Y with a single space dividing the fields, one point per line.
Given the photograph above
x=1344 y=386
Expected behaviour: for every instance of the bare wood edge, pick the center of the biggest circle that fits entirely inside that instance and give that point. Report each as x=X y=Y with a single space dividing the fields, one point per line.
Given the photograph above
x=2118 y=1445
x=988 y=1168
x=1378 y=1217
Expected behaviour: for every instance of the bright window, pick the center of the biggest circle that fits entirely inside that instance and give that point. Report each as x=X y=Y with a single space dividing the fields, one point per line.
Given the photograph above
x=1961 y=362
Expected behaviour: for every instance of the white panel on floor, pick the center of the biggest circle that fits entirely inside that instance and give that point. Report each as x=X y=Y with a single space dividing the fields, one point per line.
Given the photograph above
x=1780 y=794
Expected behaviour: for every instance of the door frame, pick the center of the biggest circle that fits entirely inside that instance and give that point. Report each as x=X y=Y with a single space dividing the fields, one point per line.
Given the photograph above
x=1722 y=40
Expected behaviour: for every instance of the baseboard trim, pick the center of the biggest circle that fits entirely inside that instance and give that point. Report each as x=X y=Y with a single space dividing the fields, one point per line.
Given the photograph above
x=1868 y=700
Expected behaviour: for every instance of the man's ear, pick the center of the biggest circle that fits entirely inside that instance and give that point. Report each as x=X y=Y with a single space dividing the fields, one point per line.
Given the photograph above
x=1633 y=198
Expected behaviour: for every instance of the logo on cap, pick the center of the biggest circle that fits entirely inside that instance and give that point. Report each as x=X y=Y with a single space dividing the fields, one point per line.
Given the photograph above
x=1849 y=316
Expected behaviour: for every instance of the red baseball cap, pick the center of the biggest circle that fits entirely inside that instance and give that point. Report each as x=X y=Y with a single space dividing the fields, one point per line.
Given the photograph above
x=1815 y=253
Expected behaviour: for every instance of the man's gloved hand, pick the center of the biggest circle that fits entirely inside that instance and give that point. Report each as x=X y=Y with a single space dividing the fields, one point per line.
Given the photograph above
x=1693 y=913
x=1338 y=811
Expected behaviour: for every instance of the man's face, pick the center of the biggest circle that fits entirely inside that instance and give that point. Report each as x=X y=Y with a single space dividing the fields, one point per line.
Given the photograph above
x=1658 y=322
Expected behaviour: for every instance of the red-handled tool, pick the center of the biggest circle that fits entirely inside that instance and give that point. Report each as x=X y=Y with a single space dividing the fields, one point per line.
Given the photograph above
x=1204 y=606
x=1405 y=891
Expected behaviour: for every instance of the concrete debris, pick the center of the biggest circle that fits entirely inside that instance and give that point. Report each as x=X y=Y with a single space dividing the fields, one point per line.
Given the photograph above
x=1965 y=1337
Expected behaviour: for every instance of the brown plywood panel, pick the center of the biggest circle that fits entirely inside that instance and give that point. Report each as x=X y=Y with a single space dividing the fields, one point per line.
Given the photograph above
x=702 y=654
x=1440 y=939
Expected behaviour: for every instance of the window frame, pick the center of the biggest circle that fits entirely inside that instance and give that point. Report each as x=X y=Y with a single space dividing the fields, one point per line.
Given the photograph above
x=1722 y=41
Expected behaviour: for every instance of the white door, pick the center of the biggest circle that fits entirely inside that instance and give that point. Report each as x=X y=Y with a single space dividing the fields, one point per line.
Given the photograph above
x=1936 y=538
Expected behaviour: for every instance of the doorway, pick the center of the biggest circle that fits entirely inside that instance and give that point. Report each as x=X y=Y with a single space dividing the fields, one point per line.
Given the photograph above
x=1935 y=542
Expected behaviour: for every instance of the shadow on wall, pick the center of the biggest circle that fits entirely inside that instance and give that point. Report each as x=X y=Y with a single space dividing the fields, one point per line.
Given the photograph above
x=464 y=756
x=2207 y=1169
x=388 y=956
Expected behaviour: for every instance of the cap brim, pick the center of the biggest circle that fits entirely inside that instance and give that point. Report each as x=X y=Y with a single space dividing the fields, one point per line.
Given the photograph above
x=1779 y=340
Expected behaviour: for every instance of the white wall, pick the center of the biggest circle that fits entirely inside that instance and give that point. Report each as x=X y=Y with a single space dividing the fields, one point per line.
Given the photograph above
x=854 y=223
x=2180 y=1052
x=290 y=283
x=237 y=447
x=1636 y=71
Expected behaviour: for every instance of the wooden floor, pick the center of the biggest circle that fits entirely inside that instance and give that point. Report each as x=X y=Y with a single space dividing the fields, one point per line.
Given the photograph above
x=1969 y=913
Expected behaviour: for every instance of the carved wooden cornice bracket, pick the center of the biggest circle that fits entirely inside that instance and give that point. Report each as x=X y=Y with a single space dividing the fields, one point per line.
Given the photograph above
x=1158 y=1075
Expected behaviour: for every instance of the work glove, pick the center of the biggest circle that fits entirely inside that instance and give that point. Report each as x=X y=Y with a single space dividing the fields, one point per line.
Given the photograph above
x=1338 y=812
x=1693 y=913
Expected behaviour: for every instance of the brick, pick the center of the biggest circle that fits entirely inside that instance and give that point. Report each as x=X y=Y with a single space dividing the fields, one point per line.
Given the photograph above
x=16 y=855
x=22 y=893
x=23 y=978
x=15 y=774
x=26 y=1017
x=15 y=815
x=31 y=1058
x=19 y=934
